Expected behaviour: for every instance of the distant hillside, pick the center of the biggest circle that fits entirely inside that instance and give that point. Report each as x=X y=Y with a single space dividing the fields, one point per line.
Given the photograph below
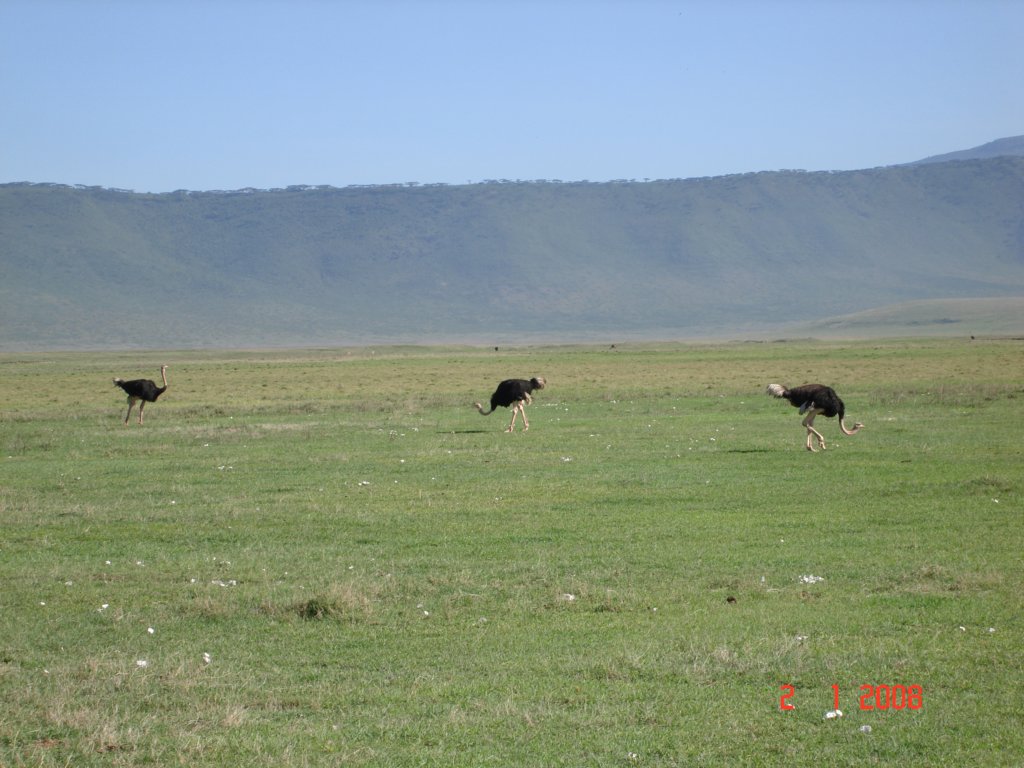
x=1011 y=147
x=500 y=262
x=929 y=317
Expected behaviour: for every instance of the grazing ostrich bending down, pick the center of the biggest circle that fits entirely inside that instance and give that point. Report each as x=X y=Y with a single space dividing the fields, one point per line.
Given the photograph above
x=813 y=399
x=514 y=392
x=142 y=391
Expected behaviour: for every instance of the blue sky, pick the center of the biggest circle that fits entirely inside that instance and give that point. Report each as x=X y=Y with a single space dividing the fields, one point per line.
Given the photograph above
x=156 y=96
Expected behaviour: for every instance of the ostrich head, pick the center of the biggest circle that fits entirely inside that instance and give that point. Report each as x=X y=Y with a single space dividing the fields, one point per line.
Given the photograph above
x=538 y=382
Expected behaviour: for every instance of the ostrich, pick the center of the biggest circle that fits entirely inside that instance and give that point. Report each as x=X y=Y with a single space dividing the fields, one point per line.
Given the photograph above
x=813 y=399
x=514 y=392
x=141 y=390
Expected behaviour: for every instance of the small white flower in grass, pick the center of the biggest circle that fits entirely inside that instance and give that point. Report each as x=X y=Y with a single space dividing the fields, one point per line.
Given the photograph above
x=568 y=597
x=833 y=714
x=811 y=579
x=963 y=628
x=632 y=757
x=865 y=729
x=69 y=583
x=801 y=638
x=206 y=658
x=991 y=629
x=141 y=663
x=42 y=602
x=108 y=562
x=151 y=631
x=103 y=607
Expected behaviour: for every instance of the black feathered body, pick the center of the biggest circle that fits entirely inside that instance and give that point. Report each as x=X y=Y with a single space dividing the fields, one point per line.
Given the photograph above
x=143 y=389
x=513 y=391
x=817 y=396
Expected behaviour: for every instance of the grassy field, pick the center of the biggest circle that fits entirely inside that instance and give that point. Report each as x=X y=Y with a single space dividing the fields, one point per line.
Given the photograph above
x=327 y=557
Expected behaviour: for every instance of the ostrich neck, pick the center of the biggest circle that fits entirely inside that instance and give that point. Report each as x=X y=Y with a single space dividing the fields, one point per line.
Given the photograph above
x=847 y=430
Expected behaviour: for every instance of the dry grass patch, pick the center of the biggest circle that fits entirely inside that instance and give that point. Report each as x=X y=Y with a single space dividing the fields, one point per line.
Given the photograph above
x=339 y=602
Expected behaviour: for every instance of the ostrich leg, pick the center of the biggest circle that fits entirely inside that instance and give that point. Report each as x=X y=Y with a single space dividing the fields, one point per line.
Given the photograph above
x=515 y=412
x=811 y=431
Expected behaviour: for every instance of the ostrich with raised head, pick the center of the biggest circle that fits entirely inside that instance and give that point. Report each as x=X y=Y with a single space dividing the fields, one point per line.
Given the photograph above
x=514 y=392
x=141 y=391
x=812 y=400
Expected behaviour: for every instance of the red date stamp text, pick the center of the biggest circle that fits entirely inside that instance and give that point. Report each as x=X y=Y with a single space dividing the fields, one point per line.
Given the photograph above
x=871 y=697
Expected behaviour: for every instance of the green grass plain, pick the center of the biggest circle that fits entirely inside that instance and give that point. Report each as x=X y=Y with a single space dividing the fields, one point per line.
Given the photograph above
x=342 y=563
